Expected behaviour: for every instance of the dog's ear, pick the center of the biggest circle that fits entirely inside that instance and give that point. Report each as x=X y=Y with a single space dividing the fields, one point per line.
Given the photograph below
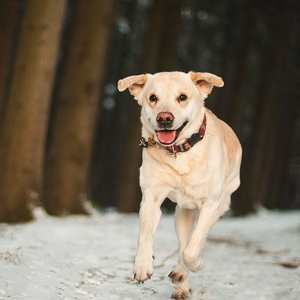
x=134 y=83
x=206 y=81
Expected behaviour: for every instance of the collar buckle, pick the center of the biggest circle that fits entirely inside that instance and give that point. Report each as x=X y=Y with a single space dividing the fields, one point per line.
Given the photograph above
x=195 y=138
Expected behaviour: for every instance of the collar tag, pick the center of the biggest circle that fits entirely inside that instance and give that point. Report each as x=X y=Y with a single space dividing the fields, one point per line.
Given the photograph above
x=172 y=152
x=143 y=143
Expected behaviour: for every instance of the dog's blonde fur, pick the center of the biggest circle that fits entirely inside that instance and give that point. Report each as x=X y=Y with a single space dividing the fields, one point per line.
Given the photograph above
x=200 y=180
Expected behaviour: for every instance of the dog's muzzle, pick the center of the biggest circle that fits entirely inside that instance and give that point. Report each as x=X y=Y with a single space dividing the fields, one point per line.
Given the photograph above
x=169 y=136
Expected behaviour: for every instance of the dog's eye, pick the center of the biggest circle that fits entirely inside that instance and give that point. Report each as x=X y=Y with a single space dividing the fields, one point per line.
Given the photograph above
x=182 y=97
x=153 y=98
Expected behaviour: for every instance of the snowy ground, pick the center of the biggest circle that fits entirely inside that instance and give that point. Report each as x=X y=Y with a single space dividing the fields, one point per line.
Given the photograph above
x=91 y=258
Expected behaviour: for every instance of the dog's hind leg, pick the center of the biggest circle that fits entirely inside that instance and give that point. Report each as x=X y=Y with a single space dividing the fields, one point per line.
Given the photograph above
x=184 y=221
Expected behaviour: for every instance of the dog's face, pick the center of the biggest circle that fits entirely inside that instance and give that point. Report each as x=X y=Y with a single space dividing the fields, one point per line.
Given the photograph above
x=171 y=102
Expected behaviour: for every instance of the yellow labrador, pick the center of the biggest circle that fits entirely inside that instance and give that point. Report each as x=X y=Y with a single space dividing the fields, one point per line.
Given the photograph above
x=191 y=157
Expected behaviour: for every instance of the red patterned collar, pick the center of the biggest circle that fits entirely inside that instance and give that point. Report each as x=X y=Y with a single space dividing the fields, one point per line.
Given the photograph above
x=186 y=146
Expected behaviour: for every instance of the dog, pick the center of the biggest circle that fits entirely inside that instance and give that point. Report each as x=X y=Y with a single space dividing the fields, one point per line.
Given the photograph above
x=191 y=157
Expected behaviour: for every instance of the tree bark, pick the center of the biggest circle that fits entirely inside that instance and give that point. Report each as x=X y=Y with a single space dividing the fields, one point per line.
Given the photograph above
x=10 y=13
x=24 y=126
x=77 y=105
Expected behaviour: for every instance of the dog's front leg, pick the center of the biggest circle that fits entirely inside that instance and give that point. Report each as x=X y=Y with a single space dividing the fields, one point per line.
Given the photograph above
x=150 y=214
x=209 y=214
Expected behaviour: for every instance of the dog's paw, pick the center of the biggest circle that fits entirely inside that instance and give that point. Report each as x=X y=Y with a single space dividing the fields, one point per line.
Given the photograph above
x=194 y=263
x=180 y=294
x=179 y=274
x=143 y=268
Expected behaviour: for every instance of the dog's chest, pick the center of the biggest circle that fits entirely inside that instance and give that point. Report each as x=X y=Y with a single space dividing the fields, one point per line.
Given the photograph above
x=190 y=190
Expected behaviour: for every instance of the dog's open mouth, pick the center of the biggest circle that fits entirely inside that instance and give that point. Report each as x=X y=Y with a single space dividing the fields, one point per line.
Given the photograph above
x=167 y=137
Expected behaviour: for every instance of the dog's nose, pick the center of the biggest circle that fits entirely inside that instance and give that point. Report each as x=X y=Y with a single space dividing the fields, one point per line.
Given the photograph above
x=165 y=119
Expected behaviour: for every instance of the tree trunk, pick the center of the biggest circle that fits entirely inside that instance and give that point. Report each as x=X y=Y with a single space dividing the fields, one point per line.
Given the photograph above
x=113 y=129
x=159 y=55
x=236 y=100
x=77 y=104
x=10 y=13
x=129 y=193
x=164 y=29
x=258 y=168
x=24 y=126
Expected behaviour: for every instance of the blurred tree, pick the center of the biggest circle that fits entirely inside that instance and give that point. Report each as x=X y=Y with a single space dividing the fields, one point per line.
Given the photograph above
x=262 y=161
x=288 y=173
x=118 y=110
x=76 y=107
x=164 y=28
x=23 y=130
x=159 y=54
x=10 y=13
x=243 y=61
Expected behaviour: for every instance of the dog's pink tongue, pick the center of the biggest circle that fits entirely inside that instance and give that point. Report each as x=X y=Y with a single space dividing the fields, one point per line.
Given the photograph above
x=166 y=137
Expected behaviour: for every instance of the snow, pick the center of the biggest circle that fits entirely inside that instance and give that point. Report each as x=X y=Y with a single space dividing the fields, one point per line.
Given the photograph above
x=78 y=257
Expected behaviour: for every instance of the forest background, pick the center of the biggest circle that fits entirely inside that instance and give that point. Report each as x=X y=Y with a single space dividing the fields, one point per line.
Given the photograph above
x=67 y=135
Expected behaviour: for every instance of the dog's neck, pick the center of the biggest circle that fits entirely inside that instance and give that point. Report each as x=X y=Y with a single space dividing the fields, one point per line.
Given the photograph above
x=148 y=140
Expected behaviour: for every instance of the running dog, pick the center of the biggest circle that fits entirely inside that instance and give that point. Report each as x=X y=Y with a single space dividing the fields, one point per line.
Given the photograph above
x=191 y=157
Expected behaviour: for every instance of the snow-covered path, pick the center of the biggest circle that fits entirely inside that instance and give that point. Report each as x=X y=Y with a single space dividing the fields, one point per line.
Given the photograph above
x=91 y=258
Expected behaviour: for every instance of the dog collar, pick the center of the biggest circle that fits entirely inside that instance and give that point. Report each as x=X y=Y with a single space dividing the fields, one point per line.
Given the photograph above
x=186 y=146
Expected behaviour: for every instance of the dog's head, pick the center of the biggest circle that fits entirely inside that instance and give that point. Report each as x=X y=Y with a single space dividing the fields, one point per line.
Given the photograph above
x=172 y=102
